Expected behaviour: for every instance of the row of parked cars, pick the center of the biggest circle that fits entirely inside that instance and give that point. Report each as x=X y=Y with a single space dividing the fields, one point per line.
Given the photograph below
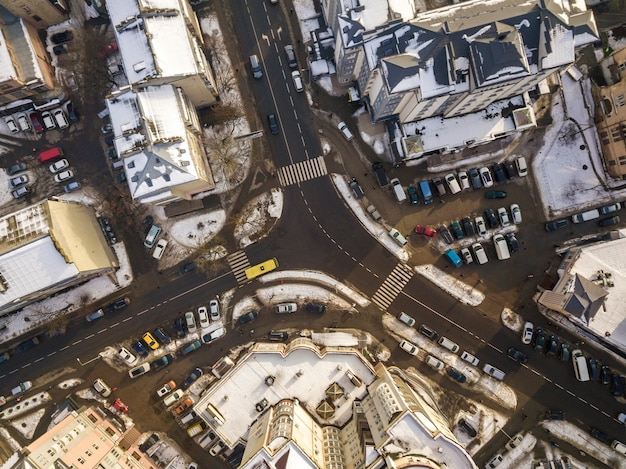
x=39 y=122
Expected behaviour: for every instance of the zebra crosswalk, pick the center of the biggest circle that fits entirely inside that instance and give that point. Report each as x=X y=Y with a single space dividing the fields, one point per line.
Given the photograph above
x=392 y=286
x=238 y=262
x=302 y=171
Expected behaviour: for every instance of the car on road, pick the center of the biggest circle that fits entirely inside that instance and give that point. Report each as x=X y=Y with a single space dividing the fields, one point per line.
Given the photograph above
x=539 y=339
x=203 y=316
x=621 y=417
x=504 y=217
x=516 y=214
x=428 y=332
x=315 y=308
x=512 y=242
x=475 y=179
x=485 y=176
x=424 y=230
x=166 y=388
x=467 y=226
x=186 y=268
x=162 y=361
x=15 y=169
x=18 y=181
x=457 y=375
x=527 y=332
x=345 y=131
x=471 y=431
x=445 y=234
x=517 y=355
x=140 y=348
x=128 y=357
x=492 y=220
x=95 y=315
x=249 y=316
x=495 y=194
x=456 y=229
x=191 y=347
x=102 y=388
x=64 y=176
x=409 y=348
x=150 y=341
x=192 y=378
x=118 y=304
x=214 y=310
x=59 y=166
x=139 y=370
x=413 y=198
x=292 y=62
x=556 y=225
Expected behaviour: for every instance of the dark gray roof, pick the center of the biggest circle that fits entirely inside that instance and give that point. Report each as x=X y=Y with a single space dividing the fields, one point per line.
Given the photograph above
x=351 y=30
x=495 y=58
x=587 y=299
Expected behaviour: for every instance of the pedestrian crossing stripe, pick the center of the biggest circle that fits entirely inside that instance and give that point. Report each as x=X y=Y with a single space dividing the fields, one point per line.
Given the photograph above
x=392 y=286
x=238 y=262
x=302 y=171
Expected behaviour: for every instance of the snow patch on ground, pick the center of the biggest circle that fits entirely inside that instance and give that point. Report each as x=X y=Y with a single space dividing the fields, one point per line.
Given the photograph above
x=459 y=290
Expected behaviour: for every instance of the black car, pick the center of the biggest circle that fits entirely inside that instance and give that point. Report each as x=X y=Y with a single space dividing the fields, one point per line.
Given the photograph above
x=163 y=361
x=356 y=188
x=594 y=369
x=278 y=336
x=315 y=308
x=146 y=445
x=413 y=197
x=553 y=346
x=161 y=336
x=445 y=234
x=471 y=431
x=609 y=221
x=250 y=316
x=460 y=377
x=617 y=385
x=428 y=332
x=512 y=242
x=600 y=435
x=71 y=113
x=492 y=219
x=509 y=169
x=63 y=36
x=118 y=304
x=468 y=227
x=474 y=176
x=186 y=268
x=456 y=229
x=564 y=353
x=555 y=415
x=147 y=222
x=556 y=225
x=16 y=168
x=498 y=172
x=271 y=120
x=27 y=344
x=140 y=349
x=180 y=328
x=539 y=339
x=191 y=378
x=517 y=355
x=605 y=375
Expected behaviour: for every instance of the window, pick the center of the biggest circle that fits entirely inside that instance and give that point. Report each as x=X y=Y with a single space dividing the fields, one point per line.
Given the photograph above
x=81 y=460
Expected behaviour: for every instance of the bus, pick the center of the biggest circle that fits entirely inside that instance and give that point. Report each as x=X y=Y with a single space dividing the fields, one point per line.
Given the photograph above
x=260 y=269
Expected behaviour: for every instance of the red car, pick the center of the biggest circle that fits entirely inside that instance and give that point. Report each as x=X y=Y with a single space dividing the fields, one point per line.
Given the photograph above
x=419 y=229
x=108 y=50
x=34 y=118
x=119 y=405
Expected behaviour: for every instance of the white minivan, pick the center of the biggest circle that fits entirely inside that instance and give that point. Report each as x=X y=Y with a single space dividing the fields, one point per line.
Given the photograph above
x=502 y=250
x=398 y=190
x=297 y=81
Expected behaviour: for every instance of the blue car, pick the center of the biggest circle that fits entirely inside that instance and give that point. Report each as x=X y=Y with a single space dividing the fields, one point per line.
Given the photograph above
x=195 y=345
x=413 y=195
x=140 y=349
x=163 y=361
x=95 y=315
x=460 y=377
x=189 y=267
x=248 y=317
x=193 y=376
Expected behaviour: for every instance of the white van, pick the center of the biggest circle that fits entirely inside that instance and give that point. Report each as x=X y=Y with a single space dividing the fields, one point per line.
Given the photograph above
x=447 y=343
x=479 y=253
x=502 y=250
x=619 y=447
x=520 y=164
x=406 y=319
x=586 y=216
x=398 y=238
x=398 y=190
x=580 y=365
x=152 y=236
x=297 y=81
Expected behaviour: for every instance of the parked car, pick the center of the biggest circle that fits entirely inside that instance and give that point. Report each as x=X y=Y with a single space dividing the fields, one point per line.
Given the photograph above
x=95 y=315
x=408 y=347
x=162 y=361
x=492 y=220
x=190 y=321
x=445 y=234
x=600 y=435
x=610 y=208
x=485 y=176
x=614 y=220
x=517 y=355
x=463 y=180
x=467 y=256
x=141 y=349
x=101 y=388
x=183 y=406
x=455 y=226
x=64 y=176
x=428 y=332
x=36 y=122
x=605 y=375
x=516 y=214
x=192 y=378
x=527 y=332
x=471 y=431
x=617 y=385
x=10 y=122
x=438 y=183
x=504 y=217
x=457 y=375
x=249 y=316
x=413 y=197
x=315 y=308
x=203 y=316
x=564 y=352
x=278 y=336
x=467 y=226
x=555 y=415
x=495 y=194
x=475 y=179
x=512 y=242
x=214 y=310
x=553 y=346
x=345 y=131
x=18 y=181
x=166 y=388
x=21 y=388
x=375 y=214
x=61 y=37
x=539 y=339
x=118 y=304
x=128 y=357
x=498 y=172
x=213 y=335
x=149 y=443
x=556 y=225
x=191 y=347
x=481 y=228
x=71 y=187
x=27 y=344
x=186 y=268
x=59 y=166
x=594 y=369
x=424 y=230
x=179 y=327
x=509 y=169
x=15 y=169
x=356 y=188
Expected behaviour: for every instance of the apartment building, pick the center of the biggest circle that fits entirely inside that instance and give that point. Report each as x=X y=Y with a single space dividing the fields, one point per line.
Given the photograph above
x=48 y=247
x=39 y=13
x=611 y=117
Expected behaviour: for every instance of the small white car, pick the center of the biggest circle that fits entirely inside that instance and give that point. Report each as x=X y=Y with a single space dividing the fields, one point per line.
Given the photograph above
x=621 y=417
x=102 y=388
x=12 y=125
x=463 y=180
x=159 y=249
x=467 y=256
x=504 y=217
x=286 y=308
x=481 y=228
x=128 y=357
x=59 y=166
x=214 y=310
x=64 y=176
x=469 y=358
x=493 y=371
x=516 y=214
x=435 y=363
x=190 y=320
x=527 y=332
x=485 y=176
x=297 y=81
x=166 y=388
x=203 y=316
x=409 y=348
x=345 y=131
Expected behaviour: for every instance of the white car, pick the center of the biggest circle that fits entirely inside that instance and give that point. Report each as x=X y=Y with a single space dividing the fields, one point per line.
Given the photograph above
x=481 y=228
x=435 y=363
x=128 y=357
x=64 y=176
x=493 y=371
x=159 y=249
x=504 y=217
x=102 y=388
x=516 y=214
x=203 y=316
x=453 y=184
x=469 y=358
x=59 y=166
x=527 y=332
x=485 y=176
x=12 y=125
x=214 y=310
x=345 y=131
x=467 y=256
x=463 y=180
x=621 y=417
x=190 y=320
x=408 y=347
x=166 y=388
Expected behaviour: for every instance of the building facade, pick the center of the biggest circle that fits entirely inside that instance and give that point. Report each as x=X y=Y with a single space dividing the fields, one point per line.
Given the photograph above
x=39 y=13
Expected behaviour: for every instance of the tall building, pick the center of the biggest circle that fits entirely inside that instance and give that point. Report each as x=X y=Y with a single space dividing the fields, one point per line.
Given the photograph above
x=48 y=247
x=25 y=68
x=39 y=13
